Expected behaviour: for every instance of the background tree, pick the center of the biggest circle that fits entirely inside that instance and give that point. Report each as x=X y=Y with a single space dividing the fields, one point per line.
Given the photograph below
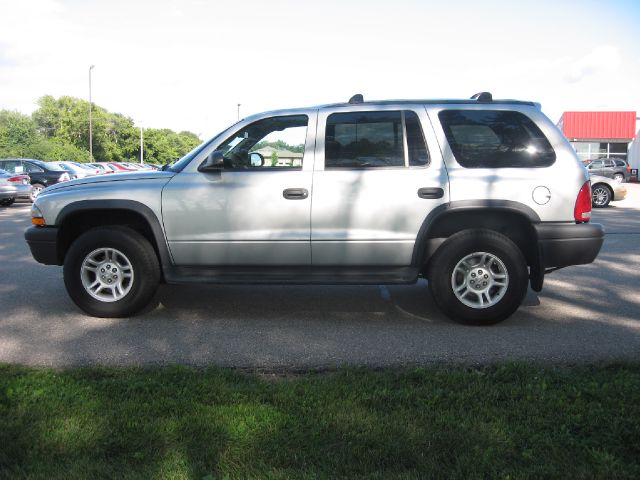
x=59 y=130
x=18 y=134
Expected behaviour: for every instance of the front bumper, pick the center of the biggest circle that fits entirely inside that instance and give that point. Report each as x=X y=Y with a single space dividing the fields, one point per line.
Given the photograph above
x=619 y=193
x=43 y=242
x=562 y=244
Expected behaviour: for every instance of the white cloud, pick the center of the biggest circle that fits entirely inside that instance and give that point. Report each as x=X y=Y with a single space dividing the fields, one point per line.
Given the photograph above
x=603 y=59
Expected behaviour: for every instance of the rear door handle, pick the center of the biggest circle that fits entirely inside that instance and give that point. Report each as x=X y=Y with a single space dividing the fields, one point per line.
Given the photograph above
x=430 y=193
x=295 y=193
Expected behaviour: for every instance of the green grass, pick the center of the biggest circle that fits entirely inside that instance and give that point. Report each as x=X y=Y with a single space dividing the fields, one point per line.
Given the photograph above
x=505 y=421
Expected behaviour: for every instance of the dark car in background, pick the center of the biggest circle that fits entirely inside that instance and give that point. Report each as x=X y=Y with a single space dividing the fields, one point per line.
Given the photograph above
x=615 y=168
x=42 y=173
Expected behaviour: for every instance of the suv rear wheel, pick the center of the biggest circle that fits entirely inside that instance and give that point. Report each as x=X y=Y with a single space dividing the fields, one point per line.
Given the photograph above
x=111 y=272
x=478 y=277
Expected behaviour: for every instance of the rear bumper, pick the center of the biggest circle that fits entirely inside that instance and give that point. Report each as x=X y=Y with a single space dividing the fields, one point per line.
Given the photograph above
x=7 y=192
x=24 y=191
x=563 y=244
x=43 y=242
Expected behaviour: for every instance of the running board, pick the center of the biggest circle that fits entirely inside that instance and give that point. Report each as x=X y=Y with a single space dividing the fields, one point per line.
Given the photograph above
x=292 y=275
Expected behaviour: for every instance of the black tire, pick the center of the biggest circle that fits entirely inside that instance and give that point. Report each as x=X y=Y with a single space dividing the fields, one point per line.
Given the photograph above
x=36 y=188
x=601 y=195
x=7 y=202
x=144 y=265
x=458 y=247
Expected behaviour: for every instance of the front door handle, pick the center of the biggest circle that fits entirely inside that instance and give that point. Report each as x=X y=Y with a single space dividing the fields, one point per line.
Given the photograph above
x=295 y=193
x=430 y=193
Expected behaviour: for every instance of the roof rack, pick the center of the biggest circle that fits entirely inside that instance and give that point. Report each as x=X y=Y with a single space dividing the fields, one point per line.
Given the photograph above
x=482 y=97
x=356 y=99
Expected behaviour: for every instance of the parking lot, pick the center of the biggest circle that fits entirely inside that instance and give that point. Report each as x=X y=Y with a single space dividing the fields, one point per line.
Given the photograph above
x=585 y=313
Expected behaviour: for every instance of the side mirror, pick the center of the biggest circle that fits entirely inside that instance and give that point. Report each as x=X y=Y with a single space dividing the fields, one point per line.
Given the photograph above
x=256 y=159
x=213 y=163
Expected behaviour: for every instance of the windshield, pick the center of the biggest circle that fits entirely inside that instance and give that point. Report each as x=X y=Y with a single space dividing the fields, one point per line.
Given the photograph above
x=48 y=166
x=179 y=164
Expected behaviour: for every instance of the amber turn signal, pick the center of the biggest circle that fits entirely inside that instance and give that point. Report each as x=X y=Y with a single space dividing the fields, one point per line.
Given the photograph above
x=39 y=221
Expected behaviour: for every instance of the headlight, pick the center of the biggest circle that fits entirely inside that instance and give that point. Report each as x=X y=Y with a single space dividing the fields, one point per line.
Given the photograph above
x=37 y=218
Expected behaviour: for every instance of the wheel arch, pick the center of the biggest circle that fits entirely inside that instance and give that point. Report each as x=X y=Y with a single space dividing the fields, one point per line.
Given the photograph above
x=78 y=217
x=511 y=219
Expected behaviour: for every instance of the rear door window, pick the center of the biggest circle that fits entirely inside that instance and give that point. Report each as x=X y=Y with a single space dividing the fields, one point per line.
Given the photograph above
x=32 y=168
x=376 y=139
x=13 y=166
x=495 y=139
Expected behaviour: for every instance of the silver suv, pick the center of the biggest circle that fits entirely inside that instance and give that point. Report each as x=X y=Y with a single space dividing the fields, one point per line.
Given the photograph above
x=482 y=197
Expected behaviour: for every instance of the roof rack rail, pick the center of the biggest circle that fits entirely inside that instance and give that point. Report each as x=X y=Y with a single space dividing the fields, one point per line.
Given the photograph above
x=482 y=97
x=356 y=99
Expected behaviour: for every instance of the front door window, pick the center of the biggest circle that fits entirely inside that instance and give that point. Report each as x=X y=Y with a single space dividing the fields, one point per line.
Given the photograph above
x=276 y=142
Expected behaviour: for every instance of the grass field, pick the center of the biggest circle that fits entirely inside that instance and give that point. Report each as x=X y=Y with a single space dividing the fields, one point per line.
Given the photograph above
x=505 y=421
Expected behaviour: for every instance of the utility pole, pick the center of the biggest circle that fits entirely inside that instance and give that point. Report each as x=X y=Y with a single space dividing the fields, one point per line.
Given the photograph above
x=239 y=111
x=90 y=124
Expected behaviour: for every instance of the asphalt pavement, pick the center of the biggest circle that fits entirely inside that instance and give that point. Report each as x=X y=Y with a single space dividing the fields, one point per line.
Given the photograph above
x=585 y=313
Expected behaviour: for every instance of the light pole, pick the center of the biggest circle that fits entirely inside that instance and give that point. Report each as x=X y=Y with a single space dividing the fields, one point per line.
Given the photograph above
x=141 y=146
x=90 y=125
x=239 y=111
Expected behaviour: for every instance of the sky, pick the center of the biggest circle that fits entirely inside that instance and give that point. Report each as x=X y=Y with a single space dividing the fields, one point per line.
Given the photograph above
x=187 y=64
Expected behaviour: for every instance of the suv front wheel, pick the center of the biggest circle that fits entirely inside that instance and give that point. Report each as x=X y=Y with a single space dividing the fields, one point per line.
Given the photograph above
x=478 y=277
x=111 y=271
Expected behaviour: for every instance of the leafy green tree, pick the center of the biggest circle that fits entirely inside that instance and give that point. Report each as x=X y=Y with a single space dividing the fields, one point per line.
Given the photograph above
x=280 y=145
x=59 y=130
x=18 y=134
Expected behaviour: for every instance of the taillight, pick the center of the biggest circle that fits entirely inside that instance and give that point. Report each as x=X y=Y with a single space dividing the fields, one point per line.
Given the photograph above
x=17 y=179
x=582 y=210
x=64 y=177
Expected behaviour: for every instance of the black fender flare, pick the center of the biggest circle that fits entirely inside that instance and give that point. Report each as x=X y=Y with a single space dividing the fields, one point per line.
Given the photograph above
x=131 y=205
x=420 y=254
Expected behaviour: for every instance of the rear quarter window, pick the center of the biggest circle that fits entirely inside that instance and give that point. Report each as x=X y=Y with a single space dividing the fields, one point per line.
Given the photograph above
x=495 y=139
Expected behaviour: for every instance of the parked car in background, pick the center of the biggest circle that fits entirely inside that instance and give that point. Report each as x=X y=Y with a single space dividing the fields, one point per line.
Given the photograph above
x=605 y=190
x=42 y=174
x=76 y=170
x=102 y=166
x=119 y=167
x=132 y=166
x=615 y=168
x=13 y=187
x=91 y=168
x=140 y=166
